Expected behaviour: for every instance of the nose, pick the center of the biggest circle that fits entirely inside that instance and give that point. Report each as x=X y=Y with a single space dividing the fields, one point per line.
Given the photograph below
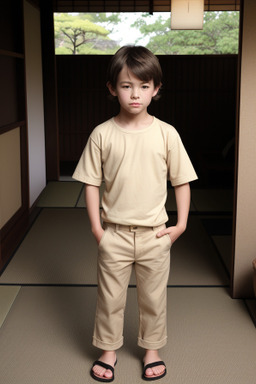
x=135 y=93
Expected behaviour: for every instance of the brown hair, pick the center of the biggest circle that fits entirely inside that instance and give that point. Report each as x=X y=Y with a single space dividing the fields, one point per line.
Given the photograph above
x=139 y=60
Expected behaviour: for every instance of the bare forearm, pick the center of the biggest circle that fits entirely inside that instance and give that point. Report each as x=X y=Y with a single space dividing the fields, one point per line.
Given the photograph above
x=92 y=198
x=183 y=196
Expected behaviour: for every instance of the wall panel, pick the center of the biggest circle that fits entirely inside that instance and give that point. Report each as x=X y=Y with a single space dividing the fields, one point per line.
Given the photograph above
x=10 y=175
x=35 y=103
x=12 y=106
x=198 y=98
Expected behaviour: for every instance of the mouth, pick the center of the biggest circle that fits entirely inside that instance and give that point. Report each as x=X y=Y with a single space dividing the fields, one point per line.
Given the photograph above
x=135 y=104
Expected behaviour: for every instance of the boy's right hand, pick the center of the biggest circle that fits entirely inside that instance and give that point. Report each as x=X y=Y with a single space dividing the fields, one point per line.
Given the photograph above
x=98 y=234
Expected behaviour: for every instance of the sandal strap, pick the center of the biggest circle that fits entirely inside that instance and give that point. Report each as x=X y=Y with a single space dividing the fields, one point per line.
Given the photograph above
x=152 y=365
x=103 y=365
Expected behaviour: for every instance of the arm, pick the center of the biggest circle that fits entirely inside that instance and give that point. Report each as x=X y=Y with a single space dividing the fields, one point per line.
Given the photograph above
x=92 y=198
x=182 y=195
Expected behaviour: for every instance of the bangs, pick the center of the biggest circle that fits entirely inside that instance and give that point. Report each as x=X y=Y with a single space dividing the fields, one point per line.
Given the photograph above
x=142 y=69
x=139 y=60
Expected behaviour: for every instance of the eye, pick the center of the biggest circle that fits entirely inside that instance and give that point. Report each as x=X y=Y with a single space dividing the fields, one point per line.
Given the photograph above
x=145 y=86
x=126 y=86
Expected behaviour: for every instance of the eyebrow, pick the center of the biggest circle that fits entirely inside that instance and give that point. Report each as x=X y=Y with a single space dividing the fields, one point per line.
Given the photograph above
x=130 y=82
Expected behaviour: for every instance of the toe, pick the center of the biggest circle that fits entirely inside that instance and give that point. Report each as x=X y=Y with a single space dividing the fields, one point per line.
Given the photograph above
x=108 y=374
x=149 y=372
x=157 y=371
x=102 y=372
x=98 y=371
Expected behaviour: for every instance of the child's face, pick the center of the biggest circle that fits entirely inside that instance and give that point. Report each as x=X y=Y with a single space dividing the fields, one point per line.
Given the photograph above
x=134 y=95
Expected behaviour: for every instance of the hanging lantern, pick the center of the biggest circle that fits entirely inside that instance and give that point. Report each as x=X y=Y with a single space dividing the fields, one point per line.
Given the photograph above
x=187 y=14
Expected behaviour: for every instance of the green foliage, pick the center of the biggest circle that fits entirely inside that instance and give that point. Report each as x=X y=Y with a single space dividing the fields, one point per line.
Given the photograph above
x=62 y=51
x=79 y=33
x=88 y=33
x=219 y=35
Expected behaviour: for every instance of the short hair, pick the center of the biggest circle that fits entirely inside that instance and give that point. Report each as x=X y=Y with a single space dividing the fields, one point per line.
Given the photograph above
x=139 y=60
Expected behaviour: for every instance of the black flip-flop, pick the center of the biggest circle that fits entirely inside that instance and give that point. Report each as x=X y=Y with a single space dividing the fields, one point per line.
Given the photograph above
x=106 y=366
x=151 y=365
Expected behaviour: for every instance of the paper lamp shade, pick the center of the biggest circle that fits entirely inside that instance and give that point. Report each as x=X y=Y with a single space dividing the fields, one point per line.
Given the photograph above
x=187 y=14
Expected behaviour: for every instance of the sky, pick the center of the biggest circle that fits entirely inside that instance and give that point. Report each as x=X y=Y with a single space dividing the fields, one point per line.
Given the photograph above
x=126 y=34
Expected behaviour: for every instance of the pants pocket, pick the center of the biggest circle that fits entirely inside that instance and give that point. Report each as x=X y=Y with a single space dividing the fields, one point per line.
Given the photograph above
x=169 y=239
x=102 y=240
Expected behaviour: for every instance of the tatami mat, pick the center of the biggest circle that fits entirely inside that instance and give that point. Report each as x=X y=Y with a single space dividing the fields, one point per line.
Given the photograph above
x=60 y=249
x=224 y=246
x=60 y=194
x=7 y=296
x=46 y=338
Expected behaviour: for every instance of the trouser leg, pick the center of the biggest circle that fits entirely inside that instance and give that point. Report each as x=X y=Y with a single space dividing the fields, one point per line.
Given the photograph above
x=114 y=270
x=152 y=272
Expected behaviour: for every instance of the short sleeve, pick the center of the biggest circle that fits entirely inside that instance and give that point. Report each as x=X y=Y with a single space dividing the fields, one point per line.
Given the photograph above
x=89 y=168
x=180 y=168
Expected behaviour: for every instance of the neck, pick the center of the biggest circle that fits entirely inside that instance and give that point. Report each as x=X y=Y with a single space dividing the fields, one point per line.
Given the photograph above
x=131 y=121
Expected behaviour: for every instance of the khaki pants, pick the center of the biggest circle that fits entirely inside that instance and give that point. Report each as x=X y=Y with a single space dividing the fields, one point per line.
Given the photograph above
x=120 y=248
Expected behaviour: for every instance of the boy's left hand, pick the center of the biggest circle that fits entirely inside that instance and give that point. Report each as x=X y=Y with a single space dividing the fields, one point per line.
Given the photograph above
x=174 y=232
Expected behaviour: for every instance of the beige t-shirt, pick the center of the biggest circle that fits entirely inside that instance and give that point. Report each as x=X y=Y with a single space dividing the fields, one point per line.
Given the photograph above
x=135 y=165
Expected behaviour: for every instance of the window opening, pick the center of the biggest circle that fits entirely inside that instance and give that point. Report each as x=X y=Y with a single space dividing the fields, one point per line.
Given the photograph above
x=105 y=33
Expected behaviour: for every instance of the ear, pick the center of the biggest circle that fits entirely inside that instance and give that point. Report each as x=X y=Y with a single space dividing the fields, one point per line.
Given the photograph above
x=156 y=90
x=111 y=89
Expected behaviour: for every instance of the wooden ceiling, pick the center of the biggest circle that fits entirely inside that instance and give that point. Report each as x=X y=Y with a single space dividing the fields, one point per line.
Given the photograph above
x=136 y=5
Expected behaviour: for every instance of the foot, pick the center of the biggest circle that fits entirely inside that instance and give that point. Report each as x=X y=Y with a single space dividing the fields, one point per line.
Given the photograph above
x=153 y=373
x=108 y=357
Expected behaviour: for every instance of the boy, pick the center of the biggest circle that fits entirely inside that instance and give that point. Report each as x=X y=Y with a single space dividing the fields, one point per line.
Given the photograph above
x=135 y=153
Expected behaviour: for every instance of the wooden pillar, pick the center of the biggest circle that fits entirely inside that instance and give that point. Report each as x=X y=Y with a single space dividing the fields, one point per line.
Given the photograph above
x=244 y=241
x=50 y=91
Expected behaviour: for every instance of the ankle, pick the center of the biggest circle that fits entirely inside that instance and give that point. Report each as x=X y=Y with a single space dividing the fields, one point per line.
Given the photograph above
x=151 y=354
x=108 y=356
x=109 y=353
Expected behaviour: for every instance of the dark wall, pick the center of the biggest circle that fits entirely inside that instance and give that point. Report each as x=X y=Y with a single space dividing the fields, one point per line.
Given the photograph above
x=13 y=115
x=198 y=98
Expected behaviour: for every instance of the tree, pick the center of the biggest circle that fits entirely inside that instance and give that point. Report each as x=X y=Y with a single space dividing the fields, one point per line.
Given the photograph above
x=80 y=34
x=219 y=35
